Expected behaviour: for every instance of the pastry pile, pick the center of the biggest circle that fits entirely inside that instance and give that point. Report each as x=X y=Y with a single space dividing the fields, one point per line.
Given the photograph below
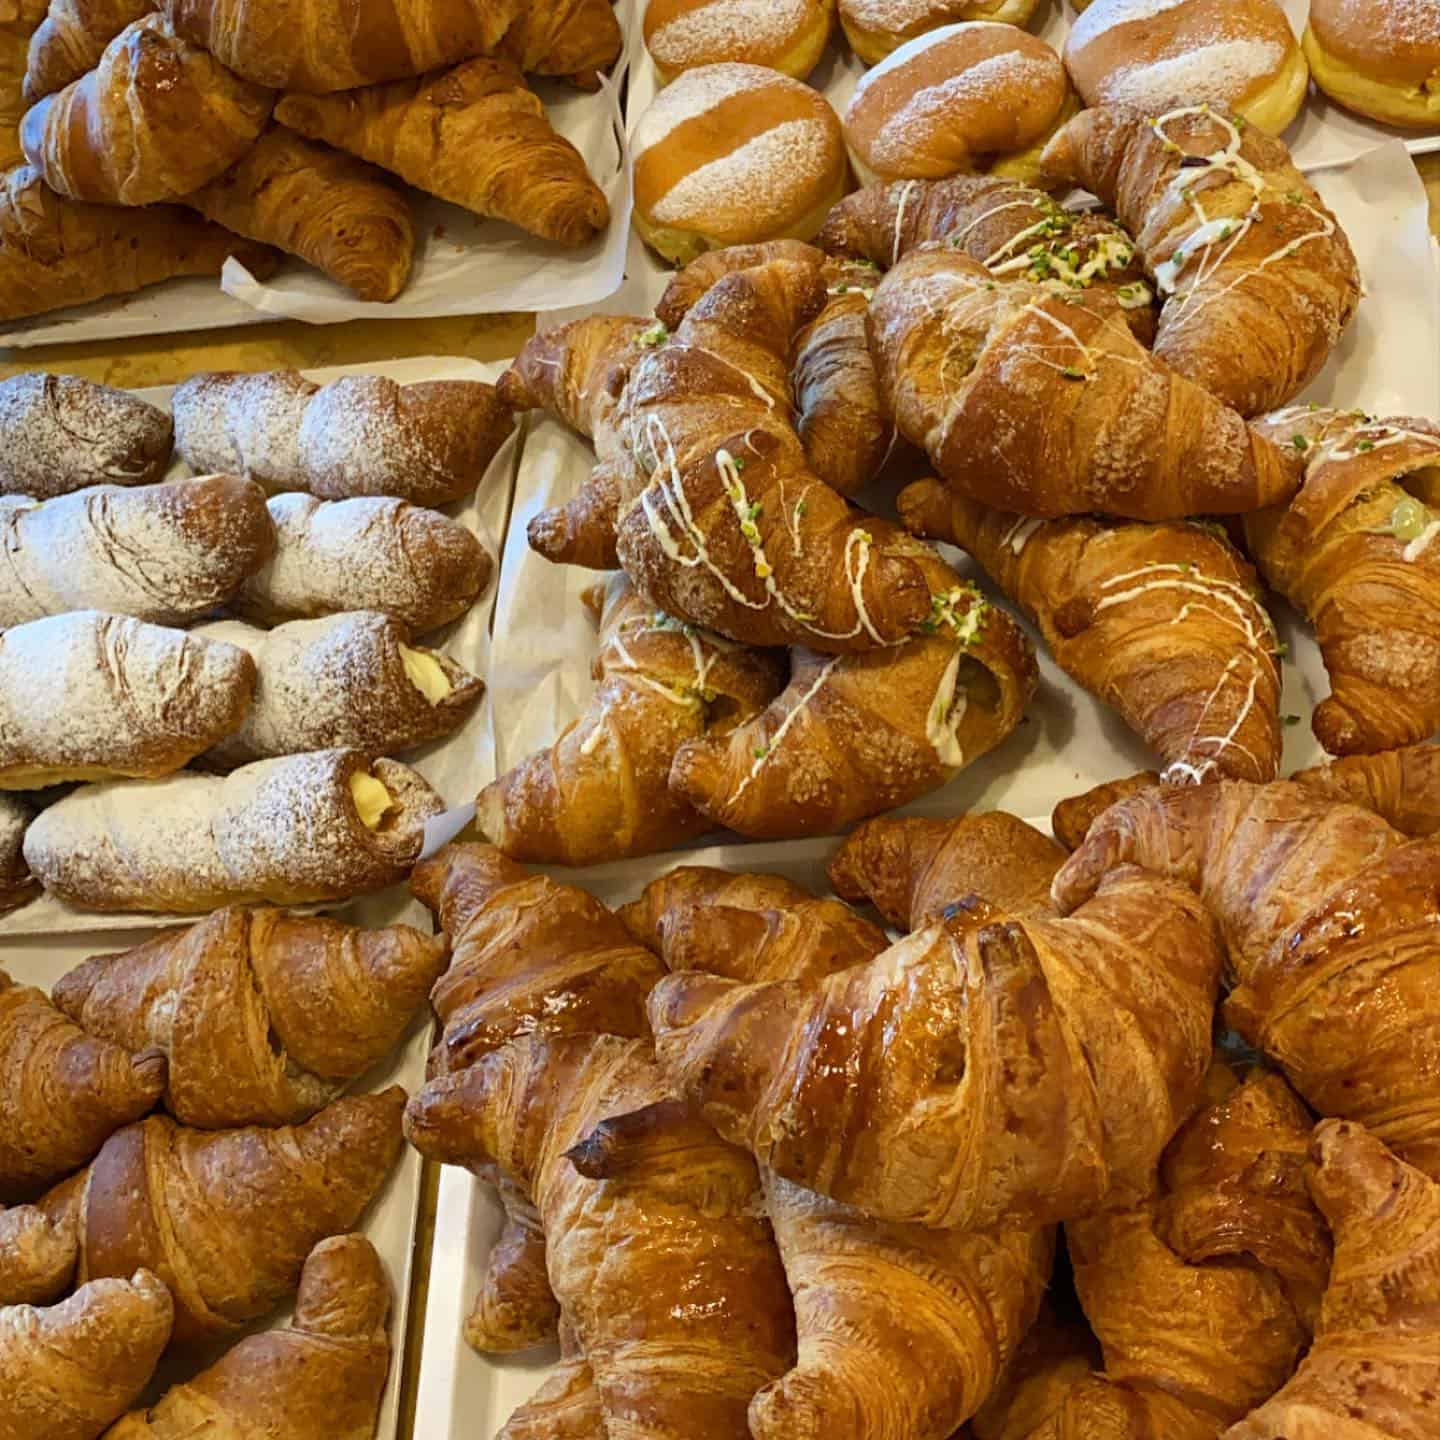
x=149 y=141
x=236 y=658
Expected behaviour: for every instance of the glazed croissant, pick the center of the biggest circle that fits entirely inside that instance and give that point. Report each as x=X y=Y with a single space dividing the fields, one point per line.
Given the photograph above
x=913 y=870
x=322 y=1375
x=71 y=39
x=1203 y=1296
x=566 y=1407
x=226 y=1218
x=63 y=1093
x=37 y=1258
x=1353 y=551
x=476 y=135
x=1258 y=279
x=748 y=927
x=155 y=120
x=1163 y=621
x=644 y=1210
x=721 y=521
x=853 y=735
x=1375 y=1365
x=942 y=1016
x=264 y=1017
x=1326 y=910
x=67 y=1372
x=601 y=791
x=1042 y=402
x=1401 y=786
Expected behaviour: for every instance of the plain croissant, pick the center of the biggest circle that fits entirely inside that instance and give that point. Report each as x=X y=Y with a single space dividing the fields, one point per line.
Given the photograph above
x=37 y=1258
x=67 y=1372
x=1259 y=279
x=322 y=1375
x=71 y=39
x=1401 y=786
x=265 y=1017
x=63 y=1093
x=1162 y=621
x=1041 y=401
x=1034 y=1105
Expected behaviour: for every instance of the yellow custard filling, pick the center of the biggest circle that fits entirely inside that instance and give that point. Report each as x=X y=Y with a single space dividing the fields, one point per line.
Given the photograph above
x=426 y=674
x=371 y=799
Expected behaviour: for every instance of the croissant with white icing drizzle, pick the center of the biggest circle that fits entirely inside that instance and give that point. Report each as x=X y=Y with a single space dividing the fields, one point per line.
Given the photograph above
x=1161 y=621
x=1355 y=551
x=855 y=735
x=1041 y=401
x=601 y=791
x=1257 y=277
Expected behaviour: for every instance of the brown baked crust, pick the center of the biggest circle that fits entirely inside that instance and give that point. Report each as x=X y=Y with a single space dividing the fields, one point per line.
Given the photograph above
x=1396 y=42
x=17 y=885
x=952 y=96
x=784 y=35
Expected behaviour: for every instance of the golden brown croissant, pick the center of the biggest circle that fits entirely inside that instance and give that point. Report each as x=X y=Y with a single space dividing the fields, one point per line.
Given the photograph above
x=1374 y=1369
x=67 y=1372
x=974 y=1073
x=476 y=135
x=1053 y=1358
x=226 y=1218
x=322 y=1375
x=566 y=1407
x=265 y=1017
x=155 y=120
x=1257 y=277
x=1401 y=786
x=330 y=45
x=722 y=522
x=335 y=213
x=37 y=1258
x=62 y=1092
x=854 y=735
x=528 y=956
x=645 y=1211
x=1072 y=818
x=748 y=927
x=1354 y=551
x=17 y=24
x=912 y=870
x=71 y=39
x=1042 y=402
x=1194 y=1334
x=1326 y=911
x=601 y=791
x=1164 y=622
x=56 y=252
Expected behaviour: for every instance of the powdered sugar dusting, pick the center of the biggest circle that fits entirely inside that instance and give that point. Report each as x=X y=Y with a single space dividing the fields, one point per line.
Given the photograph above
x=901 y=15
x=758 y=180
x=1220 y=74
x=695 y=92
x=1106 y=14
x=1410 y=22
x=903 y=54
x=716 y=30
x=243 y=425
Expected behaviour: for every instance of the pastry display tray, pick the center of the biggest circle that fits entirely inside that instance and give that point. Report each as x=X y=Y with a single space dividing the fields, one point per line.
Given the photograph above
x=457 y=766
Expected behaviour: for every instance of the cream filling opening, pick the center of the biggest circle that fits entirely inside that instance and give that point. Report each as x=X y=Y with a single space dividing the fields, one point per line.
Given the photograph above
x=426 y=674
x=371 y=799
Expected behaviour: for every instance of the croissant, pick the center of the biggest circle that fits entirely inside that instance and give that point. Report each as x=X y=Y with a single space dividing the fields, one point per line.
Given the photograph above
x=335 y=213
x=913 y=870
x=264 y=1017
x=37 y=1258
x=1353 y=551
x=601 y=791
x=62 y=1092
x=1052 y=1359
x=645 y=1210
x=475 y=135
x=17 y=24
x=71 y=39
x=855 y=735
x=329 y=45
x=1072 y=818
x=1196 y=1333
x=1164 y=622
x=156 y=119
x=1326 y=910
x=748 y=927
x=1042 y=402
x=1033 y=1104
x=323 y=1375
x=1375 y=1365
x=226 y=1218
x=721 y=521
x=68 y=1371
x=56 y=252
x=527 y=955
x=566 y=1407
x=1258 y=278
x=1401 y=786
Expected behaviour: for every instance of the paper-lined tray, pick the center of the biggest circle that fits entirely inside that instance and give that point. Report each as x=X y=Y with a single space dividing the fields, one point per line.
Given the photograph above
x=463 y=265
x=456 y=766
